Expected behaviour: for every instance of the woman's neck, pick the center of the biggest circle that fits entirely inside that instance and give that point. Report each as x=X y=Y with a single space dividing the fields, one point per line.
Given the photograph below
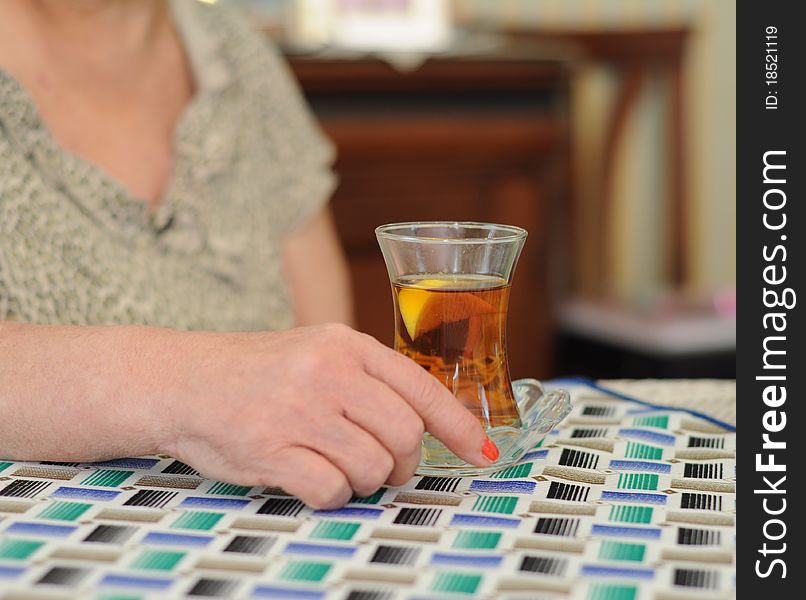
x=135 y=20
x=109 y=78
x=98 y=32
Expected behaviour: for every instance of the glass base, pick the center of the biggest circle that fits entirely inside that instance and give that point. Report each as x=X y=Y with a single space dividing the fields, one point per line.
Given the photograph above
x=540 y=412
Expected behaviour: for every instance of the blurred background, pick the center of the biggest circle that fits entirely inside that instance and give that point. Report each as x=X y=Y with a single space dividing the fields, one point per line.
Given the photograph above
x=604 y=127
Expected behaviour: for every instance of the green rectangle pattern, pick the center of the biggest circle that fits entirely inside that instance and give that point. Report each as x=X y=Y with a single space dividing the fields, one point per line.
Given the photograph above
x=513 y=472
x=660 y=422
x=196 y=519
x=457 y=583
x=478 y=540
x=609 y=591
x=643 y=451
x=495 y=504
x=228 y=489
x=158 y=560
x=373 y=499
x=631 y=514
x=335 y=530
x=638 y=481
x=303 y=570
x=11 y=549
x=65 y=511
x=107 y=477
x=622 y=551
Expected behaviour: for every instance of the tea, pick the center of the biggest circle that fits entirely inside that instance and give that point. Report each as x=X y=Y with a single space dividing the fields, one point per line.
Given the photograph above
x=454 y=326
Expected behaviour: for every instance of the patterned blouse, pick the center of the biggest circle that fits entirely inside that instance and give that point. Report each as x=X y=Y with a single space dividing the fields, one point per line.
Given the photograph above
x=249 y=165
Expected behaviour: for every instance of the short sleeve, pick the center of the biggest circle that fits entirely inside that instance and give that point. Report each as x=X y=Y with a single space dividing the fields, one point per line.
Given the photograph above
x=310 y=154
x=9 y=191
x=23 y=221
x=295 y=144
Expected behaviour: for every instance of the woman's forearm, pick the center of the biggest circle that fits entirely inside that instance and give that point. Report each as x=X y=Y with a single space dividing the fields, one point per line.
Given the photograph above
x=249 y=408
x=85 y=393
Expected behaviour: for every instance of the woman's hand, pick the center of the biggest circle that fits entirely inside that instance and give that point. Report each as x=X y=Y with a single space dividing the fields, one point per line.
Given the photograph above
x=319 y=411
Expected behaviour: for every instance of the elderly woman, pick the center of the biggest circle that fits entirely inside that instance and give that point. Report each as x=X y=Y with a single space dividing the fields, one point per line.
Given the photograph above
x=169 y=272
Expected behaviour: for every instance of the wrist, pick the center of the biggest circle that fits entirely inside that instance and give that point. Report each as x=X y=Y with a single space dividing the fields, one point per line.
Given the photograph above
x=185 y=366
x=146 y=384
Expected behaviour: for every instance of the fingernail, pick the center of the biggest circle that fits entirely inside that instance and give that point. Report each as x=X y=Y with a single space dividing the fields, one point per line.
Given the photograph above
x=490 y=450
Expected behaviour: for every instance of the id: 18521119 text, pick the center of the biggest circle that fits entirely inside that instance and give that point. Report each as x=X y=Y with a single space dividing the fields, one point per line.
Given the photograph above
x=771 y=67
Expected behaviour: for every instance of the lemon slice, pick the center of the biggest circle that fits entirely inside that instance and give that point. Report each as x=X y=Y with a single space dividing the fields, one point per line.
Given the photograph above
x=423 y=310
x=412 y=300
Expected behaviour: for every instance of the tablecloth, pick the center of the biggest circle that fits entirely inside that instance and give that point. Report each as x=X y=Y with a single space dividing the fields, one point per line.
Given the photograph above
x=623 y=501
x=715 y=396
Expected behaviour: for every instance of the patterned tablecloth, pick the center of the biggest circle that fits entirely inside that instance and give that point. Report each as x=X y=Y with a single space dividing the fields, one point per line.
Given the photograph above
x=622 y=502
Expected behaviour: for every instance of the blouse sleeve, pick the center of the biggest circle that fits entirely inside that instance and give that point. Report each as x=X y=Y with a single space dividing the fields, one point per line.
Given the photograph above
x=310 y=153
x=10 y=242
x=299 y=149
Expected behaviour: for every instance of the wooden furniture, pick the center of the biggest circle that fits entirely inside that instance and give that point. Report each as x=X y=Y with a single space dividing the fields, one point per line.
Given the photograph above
x=480 y=139
x=635 y=56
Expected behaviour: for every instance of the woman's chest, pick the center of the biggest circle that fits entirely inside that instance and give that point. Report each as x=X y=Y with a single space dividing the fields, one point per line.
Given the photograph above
x=119 y=115
x=82 y=252
x=127 y=130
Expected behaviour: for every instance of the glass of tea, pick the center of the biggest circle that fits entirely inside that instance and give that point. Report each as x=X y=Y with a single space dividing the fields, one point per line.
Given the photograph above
x=450 y=286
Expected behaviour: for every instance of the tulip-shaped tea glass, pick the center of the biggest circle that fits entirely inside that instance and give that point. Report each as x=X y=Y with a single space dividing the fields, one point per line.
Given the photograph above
x=450 y=286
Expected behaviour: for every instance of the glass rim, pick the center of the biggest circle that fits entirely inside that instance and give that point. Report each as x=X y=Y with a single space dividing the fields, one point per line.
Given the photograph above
x=513 y=232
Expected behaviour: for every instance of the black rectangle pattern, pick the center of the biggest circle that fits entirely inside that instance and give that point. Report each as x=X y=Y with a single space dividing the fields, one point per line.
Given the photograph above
x=177 y=467
x=545 y=565
x=698 y=537
x=568 y=491
x=701 y=501
x=598 y=411
x=557 y=526
x=438 y=484
x=281 y=507
x=706 y=442
x=422 y=517
x=216 y=588
x=250 y=544
x=368 y=595
x=110 y=534
x=578 y=458
x=24 y=488
x=596 y=432
x=64 y=576
x=151 y=498
x=395 y=555
x=703 y=470
x=696 y=578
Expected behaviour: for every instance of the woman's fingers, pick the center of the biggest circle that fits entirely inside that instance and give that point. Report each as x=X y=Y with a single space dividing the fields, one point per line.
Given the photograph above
x=393 y=422
x=311 y=477
x=379 y=410
x=364 y=461
x=405 y=466
x=442 y=414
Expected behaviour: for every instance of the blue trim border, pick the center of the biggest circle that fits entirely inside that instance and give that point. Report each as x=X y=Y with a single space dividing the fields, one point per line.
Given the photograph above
x=597 y=386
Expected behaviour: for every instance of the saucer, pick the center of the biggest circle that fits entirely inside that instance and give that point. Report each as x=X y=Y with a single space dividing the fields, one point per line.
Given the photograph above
x=540 y=412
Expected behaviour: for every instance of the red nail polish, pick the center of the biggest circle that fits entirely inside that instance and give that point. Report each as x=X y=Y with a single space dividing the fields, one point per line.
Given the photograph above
x=490 y=450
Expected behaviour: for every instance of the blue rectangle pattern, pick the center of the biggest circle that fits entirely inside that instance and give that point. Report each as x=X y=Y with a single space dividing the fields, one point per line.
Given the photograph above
x=176 y=539
x=84 y=494
x=484 y=521
x=213 y=502
x=503 y=486
x=40 y=529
